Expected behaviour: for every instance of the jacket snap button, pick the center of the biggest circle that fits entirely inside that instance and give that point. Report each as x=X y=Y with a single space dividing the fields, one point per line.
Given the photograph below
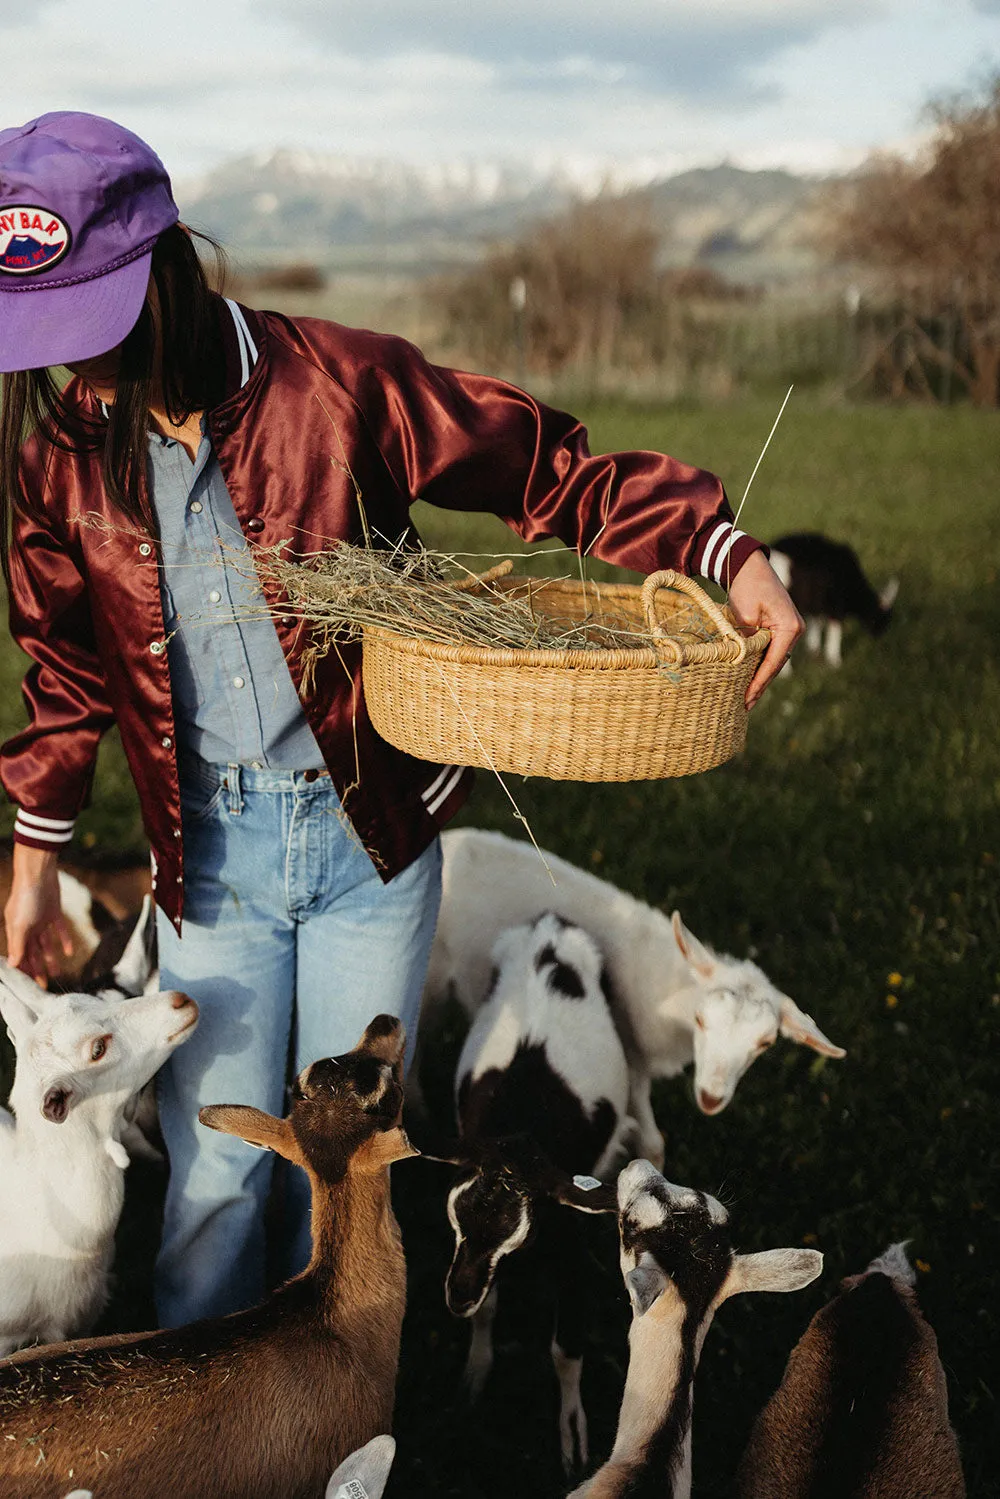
x=256 y=524
x=144 y=549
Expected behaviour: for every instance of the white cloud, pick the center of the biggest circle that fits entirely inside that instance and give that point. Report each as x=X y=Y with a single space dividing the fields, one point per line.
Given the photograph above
x=665 y=82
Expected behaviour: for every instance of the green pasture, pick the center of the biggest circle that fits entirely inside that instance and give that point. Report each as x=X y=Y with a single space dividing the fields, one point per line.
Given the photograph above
x=853 y=852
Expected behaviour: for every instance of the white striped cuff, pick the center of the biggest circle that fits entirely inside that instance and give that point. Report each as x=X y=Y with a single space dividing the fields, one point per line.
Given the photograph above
x=45 y=829
x=718 y=546
x=443 y=784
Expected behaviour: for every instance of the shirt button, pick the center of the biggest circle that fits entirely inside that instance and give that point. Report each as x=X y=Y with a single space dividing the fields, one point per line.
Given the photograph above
x=196 y=507
x=156 y=647
x=166 y=741
x=239 y=682
x=177 y=832
x=310 y=775
x=214 y=596
x=256 y=524
x=144 y=549
x=288 y=620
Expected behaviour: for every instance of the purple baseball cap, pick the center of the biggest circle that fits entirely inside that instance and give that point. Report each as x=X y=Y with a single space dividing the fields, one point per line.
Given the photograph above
x=82 y=202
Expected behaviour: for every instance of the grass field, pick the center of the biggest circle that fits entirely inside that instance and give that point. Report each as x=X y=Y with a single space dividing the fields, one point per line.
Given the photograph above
x=858 y=837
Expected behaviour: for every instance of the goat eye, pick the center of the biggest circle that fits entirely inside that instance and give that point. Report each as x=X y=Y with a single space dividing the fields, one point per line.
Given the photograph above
x=98 y=1048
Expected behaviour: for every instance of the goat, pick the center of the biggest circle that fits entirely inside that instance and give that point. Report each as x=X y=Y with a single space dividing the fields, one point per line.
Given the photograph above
x=862 y=1410
x=273 y=1398
x=674 y=1000
x=678 y=1265
x=542 y=1093
x=125 y=963
x=365 y=1473
x=827 y=586
x=79 y=1060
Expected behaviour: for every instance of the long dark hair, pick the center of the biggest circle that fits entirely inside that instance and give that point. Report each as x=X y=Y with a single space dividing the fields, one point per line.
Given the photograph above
x=190 y=377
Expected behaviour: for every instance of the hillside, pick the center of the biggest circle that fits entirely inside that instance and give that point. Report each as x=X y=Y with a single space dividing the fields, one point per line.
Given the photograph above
x=381 y=216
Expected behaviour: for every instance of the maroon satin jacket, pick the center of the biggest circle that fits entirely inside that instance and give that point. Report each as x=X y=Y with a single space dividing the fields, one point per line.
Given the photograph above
x=311 y=408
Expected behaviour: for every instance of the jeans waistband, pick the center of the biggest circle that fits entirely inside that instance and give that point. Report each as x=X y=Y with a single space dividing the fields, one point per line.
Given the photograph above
x=248 y=778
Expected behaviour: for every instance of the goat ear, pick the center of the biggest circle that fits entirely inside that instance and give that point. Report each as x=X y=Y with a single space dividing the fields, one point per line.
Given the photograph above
x=800 y=1027
x=254 y=1126
x=383 y=1148
x=586 y=1194
x=384 y=1038
x=365 y=1471
x=772 y=1270
x=21 y=1000
x=691 y=950
x=644 y=1284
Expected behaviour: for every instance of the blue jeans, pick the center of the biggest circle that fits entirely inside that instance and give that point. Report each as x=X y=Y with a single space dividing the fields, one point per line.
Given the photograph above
x=290 y=944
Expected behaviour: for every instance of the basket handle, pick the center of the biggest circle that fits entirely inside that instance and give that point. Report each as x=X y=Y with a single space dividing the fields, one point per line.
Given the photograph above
x=476 y=579
x=733 y=645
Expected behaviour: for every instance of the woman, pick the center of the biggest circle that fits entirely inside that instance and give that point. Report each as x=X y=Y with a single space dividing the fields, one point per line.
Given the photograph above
x=295 y=854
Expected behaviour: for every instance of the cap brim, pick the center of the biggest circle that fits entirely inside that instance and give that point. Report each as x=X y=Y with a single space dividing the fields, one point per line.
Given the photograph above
x=50 y=325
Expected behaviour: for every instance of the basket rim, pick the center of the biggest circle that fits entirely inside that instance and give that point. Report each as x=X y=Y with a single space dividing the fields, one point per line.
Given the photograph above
x=642 y=658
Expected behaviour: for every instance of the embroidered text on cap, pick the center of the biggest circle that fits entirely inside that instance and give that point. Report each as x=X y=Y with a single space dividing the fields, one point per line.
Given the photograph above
x=32 y=239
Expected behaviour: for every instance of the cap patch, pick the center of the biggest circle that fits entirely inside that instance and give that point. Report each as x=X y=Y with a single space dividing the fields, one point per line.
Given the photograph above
x=31 y=239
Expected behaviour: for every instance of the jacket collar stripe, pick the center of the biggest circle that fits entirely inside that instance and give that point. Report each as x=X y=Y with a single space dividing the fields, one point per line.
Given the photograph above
x=248 y=349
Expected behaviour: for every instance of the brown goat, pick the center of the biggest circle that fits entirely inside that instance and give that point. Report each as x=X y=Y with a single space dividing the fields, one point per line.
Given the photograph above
x=862 y=1411
x=263 y=1403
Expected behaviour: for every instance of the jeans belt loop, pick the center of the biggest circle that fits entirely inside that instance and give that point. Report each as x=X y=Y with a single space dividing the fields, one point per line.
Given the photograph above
x=235 y=788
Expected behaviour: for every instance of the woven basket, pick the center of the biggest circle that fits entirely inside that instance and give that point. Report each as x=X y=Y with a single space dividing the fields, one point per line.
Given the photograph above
x=669 y=709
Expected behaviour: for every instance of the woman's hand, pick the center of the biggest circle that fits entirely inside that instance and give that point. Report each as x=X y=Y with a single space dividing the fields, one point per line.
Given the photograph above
x=37 y=930
x=757 y=597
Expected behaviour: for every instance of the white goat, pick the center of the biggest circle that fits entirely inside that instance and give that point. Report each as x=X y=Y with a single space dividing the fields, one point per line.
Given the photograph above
x=862 y=1411
x=679 y=1266
x=674 y=1000
x=542 y=1095
x=265 y=1402
x=79 y=1061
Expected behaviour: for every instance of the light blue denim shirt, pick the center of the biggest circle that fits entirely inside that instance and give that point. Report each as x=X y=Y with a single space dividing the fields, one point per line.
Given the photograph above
x=234 y=698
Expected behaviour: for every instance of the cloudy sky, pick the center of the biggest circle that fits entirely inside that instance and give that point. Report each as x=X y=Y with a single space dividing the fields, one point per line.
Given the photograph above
x=647 y=85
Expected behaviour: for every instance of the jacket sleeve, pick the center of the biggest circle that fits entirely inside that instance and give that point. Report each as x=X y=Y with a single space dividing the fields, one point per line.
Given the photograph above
x=469 y=442
x=47 y=768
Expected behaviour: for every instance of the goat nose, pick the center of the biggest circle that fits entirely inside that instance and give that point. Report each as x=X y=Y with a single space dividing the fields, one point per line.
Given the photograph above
x=708 y=1103
x=179 y=1000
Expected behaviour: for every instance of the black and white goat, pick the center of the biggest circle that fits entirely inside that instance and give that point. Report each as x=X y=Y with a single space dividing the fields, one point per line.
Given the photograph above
x=827 y=586
x=862 y=1411
x=679 y=1265
x=674 y=999
x=542 y=1095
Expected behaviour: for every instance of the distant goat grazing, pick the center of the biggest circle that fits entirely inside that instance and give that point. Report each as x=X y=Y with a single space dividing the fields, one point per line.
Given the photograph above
x=79 y=1061
x=679 y=1266
x=542 y=1094
x=674 y=1000
x=862 y=1412
x=827 y=586
x=268 y=1401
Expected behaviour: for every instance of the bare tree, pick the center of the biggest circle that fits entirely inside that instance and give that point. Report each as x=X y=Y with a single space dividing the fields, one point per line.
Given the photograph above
x=933 y=226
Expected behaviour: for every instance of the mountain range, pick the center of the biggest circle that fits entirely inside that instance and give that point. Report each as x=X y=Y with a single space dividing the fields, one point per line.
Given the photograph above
x=292 y=207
